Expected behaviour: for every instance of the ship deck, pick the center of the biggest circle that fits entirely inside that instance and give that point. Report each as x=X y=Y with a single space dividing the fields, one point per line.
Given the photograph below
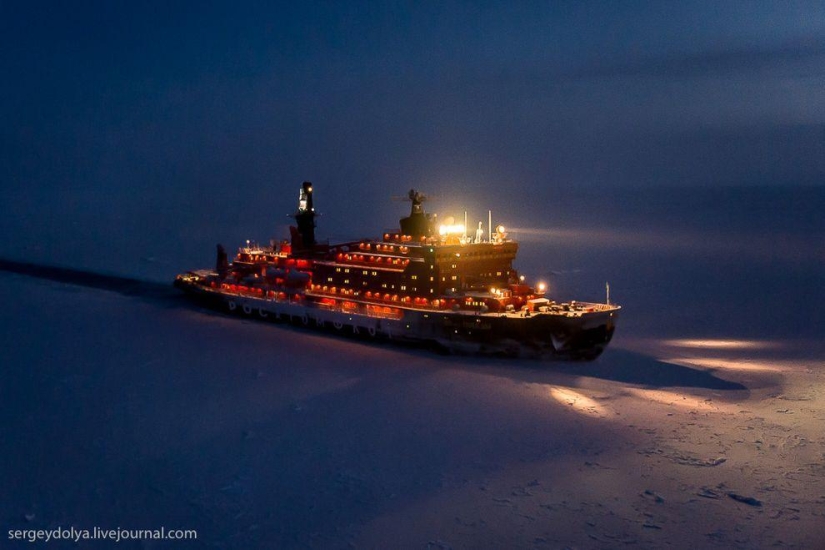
x=570 y=310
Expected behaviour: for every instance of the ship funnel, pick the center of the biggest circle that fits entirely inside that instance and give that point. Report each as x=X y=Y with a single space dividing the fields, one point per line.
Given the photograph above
x=221 y=263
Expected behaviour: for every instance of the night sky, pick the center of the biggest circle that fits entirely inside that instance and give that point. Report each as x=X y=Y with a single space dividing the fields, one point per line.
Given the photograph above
x=124 y=113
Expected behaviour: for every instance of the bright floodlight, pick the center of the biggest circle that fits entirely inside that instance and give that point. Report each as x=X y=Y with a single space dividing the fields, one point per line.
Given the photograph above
x=541 y=287
x=454 y=229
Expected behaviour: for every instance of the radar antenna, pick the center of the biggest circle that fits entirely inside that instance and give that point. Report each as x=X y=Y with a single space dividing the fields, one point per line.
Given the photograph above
x=417 y=198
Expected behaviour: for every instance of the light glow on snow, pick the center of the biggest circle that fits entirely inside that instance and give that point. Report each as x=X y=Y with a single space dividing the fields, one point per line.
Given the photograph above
x=681 y=400
x=743 y=364
x=709 y=343
x=578 y=401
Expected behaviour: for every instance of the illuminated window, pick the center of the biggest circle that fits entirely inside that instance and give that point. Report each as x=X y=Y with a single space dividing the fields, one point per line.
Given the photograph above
x=414 y=277
x=338 y=269
x=346 y=270
x=403 y=287
x=346 y=281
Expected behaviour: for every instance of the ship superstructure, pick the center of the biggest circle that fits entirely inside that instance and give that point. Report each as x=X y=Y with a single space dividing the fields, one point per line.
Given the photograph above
x=421 y=283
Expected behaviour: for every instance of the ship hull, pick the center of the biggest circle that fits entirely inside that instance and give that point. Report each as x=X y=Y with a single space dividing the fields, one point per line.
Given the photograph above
x=580 y=335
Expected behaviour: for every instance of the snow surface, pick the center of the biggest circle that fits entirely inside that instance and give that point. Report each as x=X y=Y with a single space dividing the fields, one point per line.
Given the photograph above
x=700 y=426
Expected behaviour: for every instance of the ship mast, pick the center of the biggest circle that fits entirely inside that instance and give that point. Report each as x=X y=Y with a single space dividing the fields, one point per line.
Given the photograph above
x=305 y=217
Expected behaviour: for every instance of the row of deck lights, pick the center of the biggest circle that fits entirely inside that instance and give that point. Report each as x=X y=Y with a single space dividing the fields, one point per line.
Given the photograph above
x=371 y=259
x=289 y=262
x=378 y=296
x=240 y=289
x=418 y=301
x=378 y=247
x=401 y=238
x=540 y=288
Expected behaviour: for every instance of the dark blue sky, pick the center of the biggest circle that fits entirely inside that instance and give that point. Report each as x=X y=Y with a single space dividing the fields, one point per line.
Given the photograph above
x=108 y=107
